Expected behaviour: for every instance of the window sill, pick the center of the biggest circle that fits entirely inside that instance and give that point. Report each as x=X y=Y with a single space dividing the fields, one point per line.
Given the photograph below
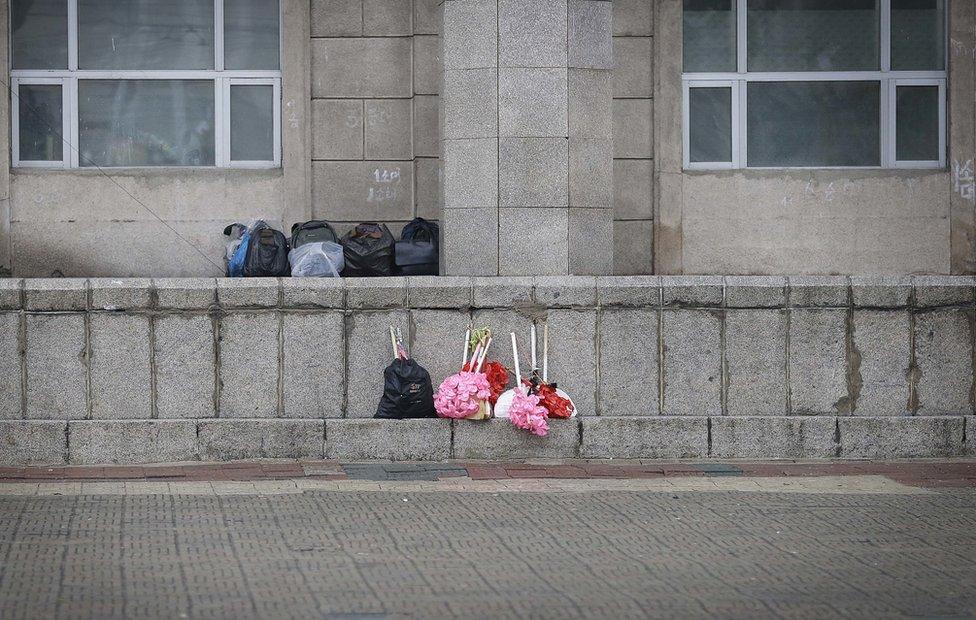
x=826 y=173
x=148 y=171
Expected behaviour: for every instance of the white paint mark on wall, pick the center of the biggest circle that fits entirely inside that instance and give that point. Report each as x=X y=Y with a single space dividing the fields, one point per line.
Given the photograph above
x=385 y=182
x=294 y=120
x=961 y=49
x=963 y=179
x=382 y=175
x=829 y=193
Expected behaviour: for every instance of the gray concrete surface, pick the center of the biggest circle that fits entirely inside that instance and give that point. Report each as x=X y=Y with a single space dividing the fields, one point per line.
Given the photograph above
x=509 y=554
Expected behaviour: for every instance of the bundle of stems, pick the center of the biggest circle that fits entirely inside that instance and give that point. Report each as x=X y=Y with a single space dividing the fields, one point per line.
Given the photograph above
x=399 y=349
x=482 y=342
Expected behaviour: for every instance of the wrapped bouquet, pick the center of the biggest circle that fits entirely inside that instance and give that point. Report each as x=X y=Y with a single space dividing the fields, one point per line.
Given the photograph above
x=471 y=393
x=534 y=400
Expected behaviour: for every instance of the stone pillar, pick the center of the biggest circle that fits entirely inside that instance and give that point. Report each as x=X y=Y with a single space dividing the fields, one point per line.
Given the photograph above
x=527 y=137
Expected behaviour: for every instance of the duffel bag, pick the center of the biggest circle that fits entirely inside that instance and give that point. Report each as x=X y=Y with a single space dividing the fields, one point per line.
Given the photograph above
x=417 y=251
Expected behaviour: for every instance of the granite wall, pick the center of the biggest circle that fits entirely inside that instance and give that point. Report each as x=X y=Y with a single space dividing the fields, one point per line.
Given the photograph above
x=103 y=370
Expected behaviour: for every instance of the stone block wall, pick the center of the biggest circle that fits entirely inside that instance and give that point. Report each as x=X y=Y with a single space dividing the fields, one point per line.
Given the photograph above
x=633 y=147
x=101 y=370
x=527 y=137
x=375 y=86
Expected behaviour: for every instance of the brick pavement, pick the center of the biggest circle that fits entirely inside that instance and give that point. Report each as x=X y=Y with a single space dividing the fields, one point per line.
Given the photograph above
x=598 y=553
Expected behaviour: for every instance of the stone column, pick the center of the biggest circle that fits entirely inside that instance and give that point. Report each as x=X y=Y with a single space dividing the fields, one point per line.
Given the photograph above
x=527 y=137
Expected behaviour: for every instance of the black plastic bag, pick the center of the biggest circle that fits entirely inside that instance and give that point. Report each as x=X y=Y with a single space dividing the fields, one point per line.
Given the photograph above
x=407 y=392
x=368 y=250
x=417 y=252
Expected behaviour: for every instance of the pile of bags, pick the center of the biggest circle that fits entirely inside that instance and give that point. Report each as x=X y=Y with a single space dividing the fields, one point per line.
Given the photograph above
x=256 y=250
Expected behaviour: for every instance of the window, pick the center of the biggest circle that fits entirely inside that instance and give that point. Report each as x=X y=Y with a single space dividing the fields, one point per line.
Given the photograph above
x=102 y=83
x=814 y=84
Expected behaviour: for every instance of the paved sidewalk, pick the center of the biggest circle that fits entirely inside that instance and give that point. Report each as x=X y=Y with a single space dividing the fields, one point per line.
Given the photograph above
x=619 y=548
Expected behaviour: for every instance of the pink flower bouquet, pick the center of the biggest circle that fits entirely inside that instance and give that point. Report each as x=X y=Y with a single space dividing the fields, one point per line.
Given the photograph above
x=467 y=394
x=526 y=413
x=460 y=396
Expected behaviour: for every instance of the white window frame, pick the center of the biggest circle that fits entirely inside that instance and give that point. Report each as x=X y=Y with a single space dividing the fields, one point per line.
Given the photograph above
x=736 y=139
x=224 y=115
x=68 y=79
x=892 y=95
x=17 y=162
x=888 y=81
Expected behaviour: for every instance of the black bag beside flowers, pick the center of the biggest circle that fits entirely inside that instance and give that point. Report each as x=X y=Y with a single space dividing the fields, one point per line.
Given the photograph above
x=407 y=390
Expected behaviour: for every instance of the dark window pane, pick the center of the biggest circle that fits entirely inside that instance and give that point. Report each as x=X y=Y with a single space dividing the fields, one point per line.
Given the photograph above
x=918 y=36
x=709 y=35
x=146 y=34
x=40 y=122
x=808 y=124
x=250 y=34
x=146 y=122
x=251 y=123
x=814 y=35
x=710 y=112
x=917 y=123
x=40 y=34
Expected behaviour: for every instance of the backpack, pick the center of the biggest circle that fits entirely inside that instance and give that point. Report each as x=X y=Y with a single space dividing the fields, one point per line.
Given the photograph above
x=314 y=231
x=418 y=249
x=368 y=251
x=267 y=253
x=407 y=392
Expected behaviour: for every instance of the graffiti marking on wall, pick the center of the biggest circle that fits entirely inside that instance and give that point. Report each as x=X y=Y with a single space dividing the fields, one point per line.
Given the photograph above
x=963 y=180
x=294 y=120
x=962 y=49
x=383 y=187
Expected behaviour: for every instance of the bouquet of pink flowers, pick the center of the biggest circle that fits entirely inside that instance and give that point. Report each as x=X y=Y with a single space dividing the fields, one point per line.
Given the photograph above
x=534 y=400
x=468 y=394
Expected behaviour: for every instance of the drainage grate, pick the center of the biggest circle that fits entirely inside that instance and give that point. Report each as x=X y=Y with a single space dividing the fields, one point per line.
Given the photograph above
x=402 y=471
x=718 y=470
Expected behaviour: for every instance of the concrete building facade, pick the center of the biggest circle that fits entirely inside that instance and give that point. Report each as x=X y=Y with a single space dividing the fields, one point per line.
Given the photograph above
x=546 y=135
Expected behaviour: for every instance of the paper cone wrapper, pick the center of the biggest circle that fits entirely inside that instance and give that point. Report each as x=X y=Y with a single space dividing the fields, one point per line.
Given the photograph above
x=484 y=412
x=504 y=403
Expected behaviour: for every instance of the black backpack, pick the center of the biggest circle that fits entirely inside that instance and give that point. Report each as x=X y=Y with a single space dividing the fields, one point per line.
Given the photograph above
x=368 y=250
x=267 y=254
x=314 y=231
x=418 y=248
x=407 y=392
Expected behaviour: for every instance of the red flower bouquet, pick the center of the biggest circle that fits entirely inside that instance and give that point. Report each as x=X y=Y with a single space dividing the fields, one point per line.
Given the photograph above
x=556 y=405
x=497 y=379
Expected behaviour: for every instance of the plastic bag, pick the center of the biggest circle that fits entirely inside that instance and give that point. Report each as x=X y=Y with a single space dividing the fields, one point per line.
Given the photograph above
x=316 y=260
x=235 y=250
x=368 y=251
